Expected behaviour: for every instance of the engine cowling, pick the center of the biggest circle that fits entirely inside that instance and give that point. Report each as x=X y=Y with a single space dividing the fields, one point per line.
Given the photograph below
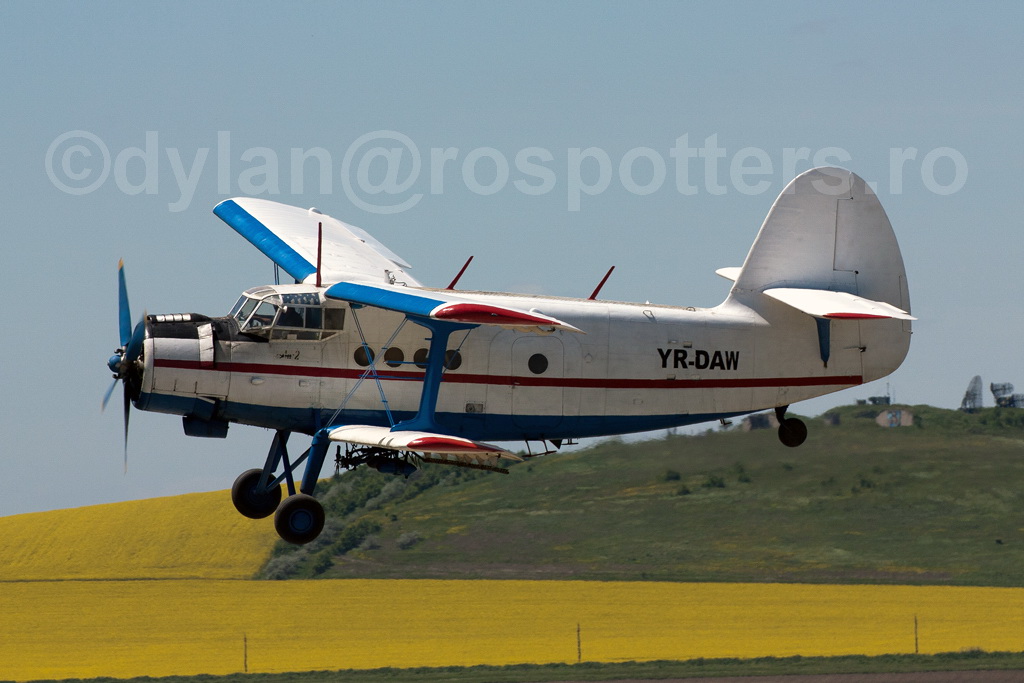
x=180 y=374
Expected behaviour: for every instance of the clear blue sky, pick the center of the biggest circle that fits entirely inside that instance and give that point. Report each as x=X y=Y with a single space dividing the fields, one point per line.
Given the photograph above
x=194 y=103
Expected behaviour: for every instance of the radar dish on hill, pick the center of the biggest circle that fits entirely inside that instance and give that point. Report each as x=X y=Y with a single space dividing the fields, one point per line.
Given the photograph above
x=973 y=397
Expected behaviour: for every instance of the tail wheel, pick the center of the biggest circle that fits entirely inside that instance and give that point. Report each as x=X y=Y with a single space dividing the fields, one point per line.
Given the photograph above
x=300 y=519
x=792 y=432
x=250 y=502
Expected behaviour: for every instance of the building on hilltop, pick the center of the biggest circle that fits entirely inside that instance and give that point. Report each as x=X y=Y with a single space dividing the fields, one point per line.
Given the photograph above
x=895 y=417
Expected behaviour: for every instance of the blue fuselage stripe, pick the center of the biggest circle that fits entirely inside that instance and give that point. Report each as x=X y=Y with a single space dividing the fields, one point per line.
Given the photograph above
x=477 y=426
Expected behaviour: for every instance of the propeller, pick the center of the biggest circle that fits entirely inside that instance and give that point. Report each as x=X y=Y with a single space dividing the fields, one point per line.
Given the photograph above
x=124 y=363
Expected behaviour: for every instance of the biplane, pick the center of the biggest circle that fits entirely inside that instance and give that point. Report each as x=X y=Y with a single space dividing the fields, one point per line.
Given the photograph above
x=356 y=352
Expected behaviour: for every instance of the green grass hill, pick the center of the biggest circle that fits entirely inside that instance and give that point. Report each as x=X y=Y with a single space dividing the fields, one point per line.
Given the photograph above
x=159 y=538
x=939 y=502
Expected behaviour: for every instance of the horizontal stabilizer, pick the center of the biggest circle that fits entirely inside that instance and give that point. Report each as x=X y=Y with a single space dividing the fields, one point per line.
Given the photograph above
x=731 y=273
x=441 y=305
x=439 y=448
x=822 y=303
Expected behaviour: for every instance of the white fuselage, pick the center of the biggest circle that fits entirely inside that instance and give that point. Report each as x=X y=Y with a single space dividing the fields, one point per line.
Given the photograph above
x=636 y=367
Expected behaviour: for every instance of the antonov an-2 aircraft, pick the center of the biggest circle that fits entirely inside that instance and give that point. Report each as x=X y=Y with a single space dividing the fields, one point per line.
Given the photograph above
x=357 y=351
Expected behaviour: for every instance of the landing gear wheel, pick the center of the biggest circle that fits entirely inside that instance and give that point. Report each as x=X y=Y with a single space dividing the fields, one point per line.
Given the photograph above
x=251 y=504
x=300 y=519
x=792 y=432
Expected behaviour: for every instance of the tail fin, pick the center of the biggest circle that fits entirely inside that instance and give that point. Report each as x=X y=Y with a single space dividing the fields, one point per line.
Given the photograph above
x=827 y=250
x=827 y=231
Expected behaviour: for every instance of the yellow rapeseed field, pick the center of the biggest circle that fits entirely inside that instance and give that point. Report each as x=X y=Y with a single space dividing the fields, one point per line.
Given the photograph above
x=160 y=588
x=160 y=628
x=199 y=535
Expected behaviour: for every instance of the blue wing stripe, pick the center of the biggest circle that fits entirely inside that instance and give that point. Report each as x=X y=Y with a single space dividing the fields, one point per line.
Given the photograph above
x=261 y=237
x=390 y=298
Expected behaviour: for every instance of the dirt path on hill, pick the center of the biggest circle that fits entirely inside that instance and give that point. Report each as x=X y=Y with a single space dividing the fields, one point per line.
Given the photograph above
x=921 y=677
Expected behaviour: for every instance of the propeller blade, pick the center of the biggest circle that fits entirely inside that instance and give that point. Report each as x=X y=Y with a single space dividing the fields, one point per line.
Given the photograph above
x=127 y=414
x=124 y=314
x=106 y=396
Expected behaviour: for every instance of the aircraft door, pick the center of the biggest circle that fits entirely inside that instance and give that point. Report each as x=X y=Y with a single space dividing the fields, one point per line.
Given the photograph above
x=538 y=373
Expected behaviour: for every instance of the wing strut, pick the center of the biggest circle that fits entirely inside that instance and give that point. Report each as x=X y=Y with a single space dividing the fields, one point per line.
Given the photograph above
x=440 y=331
x=319 y=252
x=371 y=370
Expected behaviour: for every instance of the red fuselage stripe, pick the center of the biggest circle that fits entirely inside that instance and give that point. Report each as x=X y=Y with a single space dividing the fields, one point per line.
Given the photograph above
x=506 y=380
x=857 y=316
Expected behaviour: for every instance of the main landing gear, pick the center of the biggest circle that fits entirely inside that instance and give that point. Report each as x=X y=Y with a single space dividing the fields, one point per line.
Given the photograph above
x=300 y=519
x=257 y=493
x=792 y=430
x=252 y=497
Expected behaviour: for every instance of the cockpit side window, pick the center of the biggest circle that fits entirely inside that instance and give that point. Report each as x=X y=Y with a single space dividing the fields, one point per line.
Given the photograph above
x=264 y=316
x=314 y=318
x=334 y=318
x=291 y=316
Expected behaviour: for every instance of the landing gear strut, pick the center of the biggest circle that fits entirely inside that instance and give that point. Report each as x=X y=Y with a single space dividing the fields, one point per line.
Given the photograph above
x=792 y=430
x=257 y=493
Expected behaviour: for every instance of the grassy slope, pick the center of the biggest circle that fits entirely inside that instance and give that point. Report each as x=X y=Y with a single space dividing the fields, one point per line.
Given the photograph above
x=198 y=535
x=937 y=503
x=972 y=660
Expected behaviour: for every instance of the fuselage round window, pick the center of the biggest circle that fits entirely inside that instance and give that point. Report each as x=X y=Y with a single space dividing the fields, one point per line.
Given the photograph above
x=538 y=363
x=363 y=356
x=394 y=356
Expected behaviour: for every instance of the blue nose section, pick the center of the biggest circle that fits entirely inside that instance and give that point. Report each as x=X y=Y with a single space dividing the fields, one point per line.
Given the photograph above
x=114 y=363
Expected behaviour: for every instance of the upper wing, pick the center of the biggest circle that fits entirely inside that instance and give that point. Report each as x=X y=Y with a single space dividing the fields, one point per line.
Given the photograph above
x=288 y=235
x=821 y=303
x=442 y=305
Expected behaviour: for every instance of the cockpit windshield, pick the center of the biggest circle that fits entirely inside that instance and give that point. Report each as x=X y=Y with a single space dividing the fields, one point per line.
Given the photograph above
x=292 y=316
x=245 y=309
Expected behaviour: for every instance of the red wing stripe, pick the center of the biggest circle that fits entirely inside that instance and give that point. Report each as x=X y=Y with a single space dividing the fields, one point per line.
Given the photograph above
x=505 y=380
x=485 y=314
x=446 y=445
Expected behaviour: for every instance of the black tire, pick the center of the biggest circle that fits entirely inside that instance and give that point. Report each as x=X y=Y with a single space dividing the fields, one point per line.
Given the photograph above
x=248 y=502
x=300 y=519
x=792 y=432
